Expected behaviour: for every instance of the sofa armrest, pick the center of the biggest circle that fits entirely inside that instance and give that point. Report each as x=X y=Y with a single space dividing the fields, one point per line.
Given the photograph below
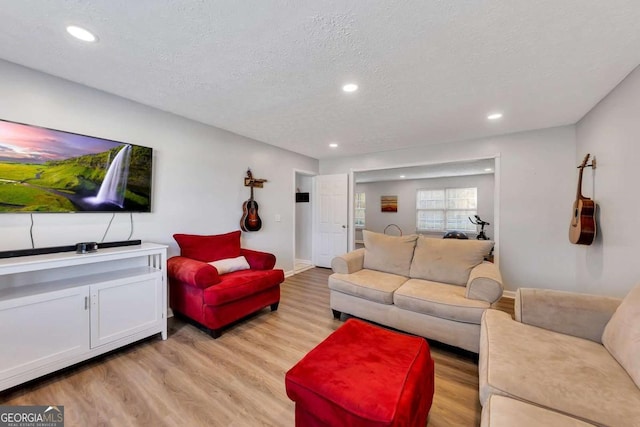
x=569 y=313
x=259 y=260
x=192 y=272
x=348 y=263
x=485 y=283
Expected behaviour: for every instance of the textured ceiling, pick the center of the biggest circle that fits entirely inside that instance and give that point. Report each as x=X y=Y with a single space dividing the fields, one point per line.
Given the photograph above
x=429 y=71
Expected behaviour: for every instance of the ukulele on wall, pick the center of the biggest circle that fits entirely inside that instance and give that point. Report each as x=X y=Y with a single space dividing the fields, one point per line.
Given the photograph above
x=582 y=229
x=250 y=220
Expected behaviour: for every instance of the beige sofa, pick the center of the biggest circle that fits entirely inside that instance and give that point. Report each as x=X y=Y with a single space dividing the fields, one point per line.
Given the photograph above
x=566 y=359
x=436 y=288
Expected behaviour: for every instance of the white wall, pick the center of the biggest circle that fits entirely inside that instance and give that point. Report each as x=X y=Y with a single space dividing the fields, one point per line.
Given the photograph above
x=611 y=132
x=304 y=218
x=198 y=170
x=536 y=182
x=405 y=218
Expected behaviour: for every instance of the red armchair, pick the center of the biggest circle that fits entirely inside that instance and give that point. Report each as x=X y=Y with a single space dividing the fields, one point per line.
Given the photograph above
x=198 y=292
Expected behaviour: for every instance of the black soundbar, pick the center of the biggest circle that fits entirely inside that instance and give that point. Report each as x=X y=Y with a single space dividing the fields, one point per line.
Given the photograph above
x=37 y=251
x=55 y=249
x=120 y=243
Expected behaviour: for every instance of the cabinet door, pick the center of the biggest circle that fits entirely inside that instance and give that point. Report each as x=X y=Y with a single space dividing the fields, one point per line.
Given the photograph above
x=125 y=307
x=43 y=329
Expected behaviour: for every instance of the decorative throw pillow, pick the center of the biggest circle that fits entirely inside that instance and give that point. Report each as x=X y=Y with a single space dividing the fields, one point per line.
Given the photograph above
x=447 y=260
x=209 y=248
x=391 y=254
x=621 y=336
x=229 y=265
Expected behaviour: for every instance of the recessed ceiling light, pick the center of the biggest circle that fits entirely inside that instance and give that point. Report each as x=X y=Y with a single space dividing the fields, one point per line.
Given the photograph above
x=402 y=176
x=333 y=145
x=350 y=87
x=494 y=116
x=488 y=170
x=81 y=33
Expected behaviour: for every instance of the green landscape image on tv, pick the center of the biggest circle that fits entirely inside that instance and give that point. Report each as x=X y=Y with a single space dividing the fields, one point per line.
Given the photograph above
x=47 y=170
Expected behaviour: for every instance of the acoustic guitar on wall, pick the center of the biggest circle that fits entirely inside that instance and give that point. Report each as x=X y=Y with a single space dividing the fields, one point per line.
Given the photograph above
x=582 y=229
x=250 y=220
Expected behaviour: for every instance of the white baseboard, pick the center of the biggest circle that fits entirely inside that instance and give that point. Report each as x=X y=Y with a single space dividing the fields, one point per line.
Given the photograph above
x=299 y=270
x=304 y=264
x=509 y=294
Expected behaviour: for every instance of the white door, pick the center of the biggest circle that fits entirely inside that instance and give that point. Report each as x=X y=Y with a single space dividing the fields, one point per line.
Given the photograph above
x=330 y=218
x=123 y=307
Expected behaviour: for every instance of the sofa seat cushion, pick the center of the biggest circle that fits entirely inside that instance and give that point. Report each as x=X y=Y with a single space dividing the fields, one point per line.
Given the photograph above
x=241 y=284
x=439 y=300
x=561 y=372
x=501 y=411
x=368 y=284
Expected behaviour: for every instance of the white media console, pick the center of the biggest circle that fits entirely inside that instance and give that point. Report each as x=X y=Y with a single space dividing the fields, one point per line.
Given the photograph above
x=60 y=309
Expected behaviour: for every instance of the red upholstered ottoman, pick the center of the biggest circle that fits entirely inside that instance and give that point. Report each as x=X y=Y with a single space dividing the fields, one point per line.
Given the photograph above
x=363 y=375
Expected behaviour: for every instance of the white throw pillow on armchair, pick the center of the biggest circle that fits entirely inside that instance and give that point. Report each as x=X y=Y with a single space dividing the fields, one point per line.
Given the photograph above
x=229 y=265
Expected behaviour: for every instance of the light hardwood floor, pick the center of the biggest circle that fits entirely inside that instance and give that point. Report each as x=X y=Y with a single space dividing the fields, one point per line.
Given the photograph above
x=236 y=380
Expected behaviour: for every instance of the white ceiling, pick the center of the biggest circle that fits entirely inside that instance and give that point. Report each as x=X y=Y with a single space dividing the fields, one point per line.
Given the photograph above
x=429 y=71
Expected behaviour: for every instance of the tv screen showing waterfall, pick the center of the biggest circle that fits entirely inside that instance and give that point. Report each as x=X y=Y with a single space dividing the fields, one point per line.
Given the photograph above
x=47 y=170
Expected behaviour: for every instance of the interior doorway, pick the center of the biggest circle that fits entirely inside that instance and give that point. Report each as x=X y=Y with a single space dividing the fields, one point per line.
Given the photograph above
x=393 y=181
x=303 y=221
x=321 y=219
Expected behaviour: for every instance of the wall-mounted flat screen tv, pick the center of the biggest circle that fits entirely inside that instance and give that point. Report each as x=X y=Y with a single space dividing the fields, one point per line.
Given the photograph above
x=47 y=170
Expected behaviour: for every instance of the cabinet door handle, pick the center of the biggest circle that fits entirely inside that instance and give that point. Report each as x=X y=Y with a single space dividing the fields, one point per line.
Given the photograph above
x=86 y=303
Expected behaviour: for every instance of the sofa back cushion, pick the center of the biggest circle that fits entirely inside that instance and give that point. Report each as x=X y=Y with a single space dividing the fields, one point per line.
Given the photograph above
x=447 y=260
x=391 y=254
x=209 y=248
x=621 y=336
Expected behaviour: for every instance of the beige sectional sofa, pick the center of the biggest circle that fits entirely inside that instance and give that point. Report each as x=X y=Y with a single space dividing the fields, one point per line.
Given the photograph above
x=436 y=288
x=567 y=359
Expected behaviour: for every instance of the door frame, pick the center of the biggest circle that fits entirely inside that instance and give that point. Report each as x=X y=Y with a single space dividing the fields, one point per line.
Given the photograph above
x=496 y=196
x=311 y=174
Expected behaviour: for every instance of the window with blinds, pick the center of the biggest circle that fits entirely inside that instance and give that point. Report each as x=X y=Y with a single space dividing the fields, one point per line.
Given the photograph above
x=446 y=209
